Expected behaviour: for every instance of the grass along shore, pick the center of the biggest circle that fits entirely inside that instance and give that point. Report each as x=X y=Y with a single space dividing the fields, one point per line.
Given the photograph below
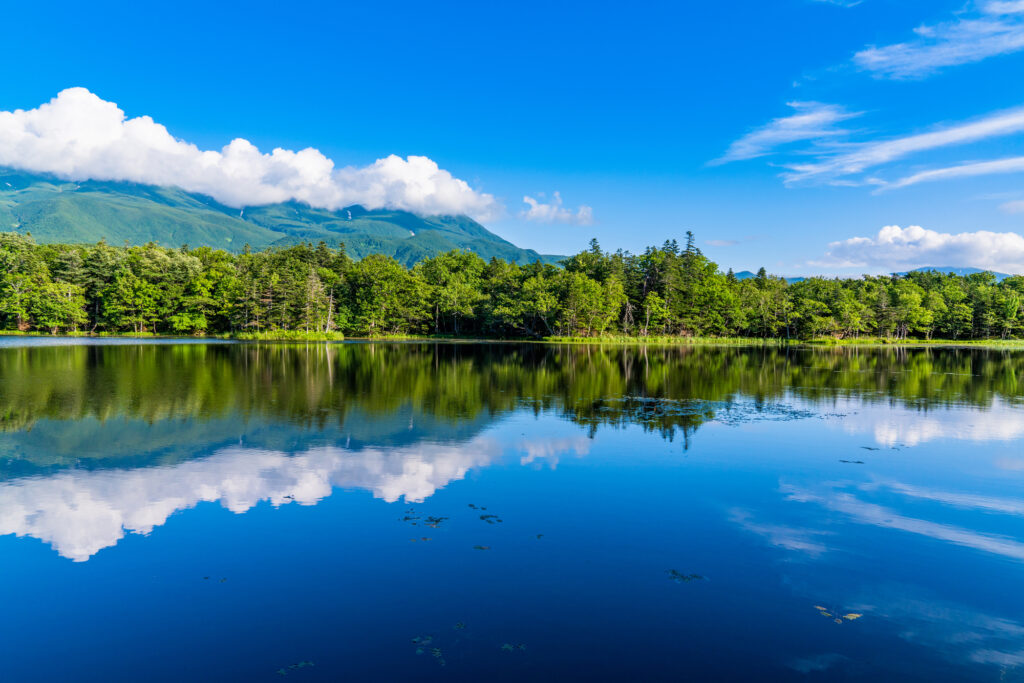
x=658 y=340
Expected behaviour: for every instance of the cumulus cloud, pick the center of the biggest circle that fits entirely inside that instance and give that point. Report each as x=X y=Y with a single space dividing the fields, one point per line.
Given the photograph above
x=554 y=212
x=812 y=121
x=895 y=248
x=990 y=29
x=79 y=136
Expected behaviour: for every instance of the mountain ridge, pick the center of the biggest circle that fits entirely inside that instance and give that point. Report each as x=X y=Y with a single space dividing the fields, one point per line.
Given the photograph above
x=56 y=210
x=945 y=270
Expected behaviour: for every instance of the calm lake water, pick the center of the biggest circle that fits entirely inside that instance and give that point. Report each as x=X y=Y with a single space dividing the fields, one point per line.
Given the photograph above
x=501 y=512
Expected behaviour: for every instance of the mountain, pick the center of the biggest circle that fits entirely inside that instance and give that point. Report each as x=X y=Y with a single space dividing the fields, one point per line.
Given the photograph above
x=746 y=275
x=55 y=210
x=946 y=270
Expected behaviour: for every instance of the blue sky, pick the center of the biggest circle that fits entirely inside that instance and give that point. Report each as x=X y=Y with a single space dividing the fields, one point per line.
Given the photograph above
x=786 y=134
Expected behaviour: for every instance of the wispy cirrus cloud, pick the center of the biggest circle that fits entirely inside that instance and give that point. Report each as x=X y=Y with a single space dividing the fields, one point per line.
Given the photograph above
x=986 y=30
x=847 y=160
x=811 y=121
x=553 y=211
x=977 y=168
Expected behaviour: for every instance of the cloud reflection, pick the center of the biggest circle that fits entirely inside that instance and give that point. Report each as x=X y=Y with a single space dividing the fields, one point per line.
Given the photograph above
x=894 y=426
x=967 y=501
x=81 y=512
x=782 y=536
x=877 y=515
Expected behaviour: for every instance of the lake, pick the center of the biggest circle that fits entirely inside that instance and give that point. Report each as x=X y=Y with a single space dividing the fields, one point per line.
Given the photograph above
x=501 y=512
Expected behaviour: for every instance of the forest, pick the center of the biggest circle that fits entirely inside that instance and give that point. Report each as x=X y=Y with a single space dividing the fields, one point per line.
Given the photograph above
x=668 y=291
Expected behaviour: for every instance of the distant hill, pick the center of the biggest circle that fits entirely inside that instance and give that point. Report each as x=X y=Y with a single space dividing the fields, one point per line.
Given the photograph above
x=746 y=274
x=55 y=210
x=946 y=270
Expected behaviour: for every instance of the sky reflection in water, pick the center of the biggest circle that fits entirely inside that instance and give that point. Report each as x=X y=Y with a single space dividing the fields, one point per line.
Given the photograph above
x=794 y=484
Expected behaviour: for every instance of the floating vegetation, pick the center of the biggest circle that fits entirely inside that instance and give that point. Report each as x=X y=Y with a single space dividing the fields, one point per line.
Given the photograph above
x=292 y=667
x=434 y=522
x=540 y=536
x=481 y=547
x=423 y=644
x=422 y=538
x=833 y=614
x=852 y=462
x=460 y=626
x=653 y=411
x=679 y=577
x=871 y=448
x=223 y=580
x=490 y=519
x=509 y=647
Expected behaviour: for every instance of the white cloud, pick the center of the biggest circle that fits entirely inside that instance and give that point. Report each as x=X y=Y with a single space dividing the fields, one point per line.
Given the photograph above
x=852 y=159
x=993 y=28
x=78 y=136
x=812 y=121
x=978 y=168
x=1013 y=207
x=896 y=248
x=554 y=212
x=840 y=3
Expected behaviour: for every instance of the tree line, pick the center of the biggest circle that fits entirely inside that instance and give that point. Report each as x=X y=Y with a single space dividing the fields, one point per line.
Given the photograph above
x=671 y=290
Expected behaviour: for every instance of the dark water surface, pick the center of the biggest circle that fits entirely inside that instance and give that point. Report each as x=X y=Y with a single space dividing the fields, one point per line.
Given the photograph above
x=466 y=512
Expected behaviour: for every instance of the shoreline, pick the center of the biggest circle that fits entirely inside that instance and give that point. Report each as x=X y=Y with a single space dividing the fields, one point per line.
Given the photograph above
x=301 y=337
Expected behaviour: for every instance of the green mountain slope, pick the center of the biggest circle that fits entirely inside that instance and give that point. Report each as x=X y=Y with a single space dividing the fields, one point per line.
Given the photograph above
x=54 y=210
